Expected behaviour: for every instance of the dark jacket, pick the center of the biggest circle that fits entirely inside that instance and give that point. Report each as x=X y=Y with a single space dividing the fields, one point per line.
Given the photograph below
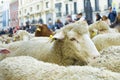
x=112 y=16
x=58 y=25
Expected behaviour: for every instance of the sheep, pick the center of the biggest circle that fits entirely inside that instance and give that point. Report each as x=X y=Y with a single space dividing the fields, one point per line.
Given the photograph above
x=69 y=46
x=110 y=50
x=42 y=30
x=41 y=39
x=28 y=68
x=5 y=39
x=102 y=41
x=22 y=35
x=118 y=28
x=109 y=59
x=100 y=27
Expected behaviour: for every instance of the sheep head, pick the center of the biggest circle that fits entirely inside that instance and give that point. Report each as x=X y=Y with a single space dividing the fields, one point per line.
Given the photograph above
x=75 y=43
x=98 y=28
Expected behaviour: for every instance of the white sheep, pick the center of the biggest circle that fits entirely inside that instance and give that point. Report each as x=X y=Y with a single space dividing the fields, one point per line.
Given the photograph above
x=22 y=35
x=71 y=45
x=110 y=50
x=100 y=27
x=41 y=38
x=109 y=59
x=5 y=39
x=102 y=41
x=28 y=68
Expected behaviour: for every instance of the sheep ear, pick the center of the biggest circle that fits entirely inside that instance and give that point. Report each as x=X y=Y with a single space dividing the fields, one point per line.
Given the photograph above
x=4 y=51
x=59 y=36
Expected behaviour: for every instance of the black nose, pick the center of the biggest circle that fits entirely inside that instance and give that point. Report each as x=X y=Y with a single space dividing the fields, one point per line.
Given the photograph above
x=55 y=38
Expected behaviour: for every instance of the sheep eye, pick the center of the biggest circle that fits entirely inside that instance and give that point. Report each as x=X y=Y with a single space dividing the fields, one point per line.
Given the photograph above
x=72 y=39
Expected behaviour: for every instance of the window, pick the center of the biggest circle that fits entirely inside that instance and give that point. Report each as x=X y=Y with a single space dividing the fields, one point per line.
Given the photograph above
x=66 y=6
x=58 y=14
x=47 y=4
x=30 y=9
x=58 y=9
x=109 y=3
x=25 y=10
x=75 y=7
x=96 y=5
x=1 y=2
x=119 y=5
x=21 y=2
x=37 y=7
x=20 y=12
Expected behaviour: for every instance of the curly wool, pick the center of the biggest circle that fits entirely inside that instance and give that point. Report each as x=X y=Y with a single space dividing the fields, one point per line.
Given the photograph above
x=109 y=59
x=103 y=41
x=99 y=25
x=28 y=68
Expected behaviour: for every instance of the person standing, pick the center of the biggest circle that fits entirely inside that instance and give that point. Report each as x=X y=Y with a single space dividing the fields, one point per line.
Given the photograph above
x=98 y=17
x=68 y=20
x=58 y=24
x=116 y=22
x=80 y=17
x=112 y=15
x=51 y=26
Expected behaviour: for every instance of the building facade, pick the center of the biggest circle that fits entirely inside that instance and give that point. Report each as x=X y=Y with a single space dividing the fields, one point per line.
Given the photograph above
x=14 y=21
x=4 y=13
x=1 y=13
x=33 y=11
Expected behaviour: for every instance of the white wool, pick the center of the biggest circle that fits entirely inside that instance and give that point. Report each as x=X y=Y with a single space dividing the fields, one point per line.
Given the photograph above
x=22 y=35
x=99 y=25
x=102 y=41
x=110 y=50
x=75 y=46
x=5 y=39
x=40 y=39
x=28 y=68
x=109 y=59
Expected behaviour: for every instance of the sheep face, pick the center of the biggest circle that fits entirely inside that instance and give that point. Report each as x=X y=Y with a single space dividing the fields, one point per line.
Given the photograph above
x=78 y=47
x=98 y=27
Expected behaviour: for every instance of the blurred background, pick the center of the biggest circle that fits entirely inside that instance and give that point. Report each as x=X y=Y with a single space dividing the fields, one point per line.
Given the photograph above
x=19 y=12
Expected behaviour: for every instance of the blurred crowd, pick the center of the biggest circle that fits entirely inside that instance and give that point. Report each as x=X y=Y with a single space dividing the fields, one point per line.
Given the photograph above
x=112 y=19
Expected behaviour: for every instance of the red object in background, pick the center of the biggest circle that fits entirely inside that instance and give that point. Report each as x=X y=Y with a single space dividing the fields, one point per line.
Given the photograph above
x=14 y=21
x=16 y=28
